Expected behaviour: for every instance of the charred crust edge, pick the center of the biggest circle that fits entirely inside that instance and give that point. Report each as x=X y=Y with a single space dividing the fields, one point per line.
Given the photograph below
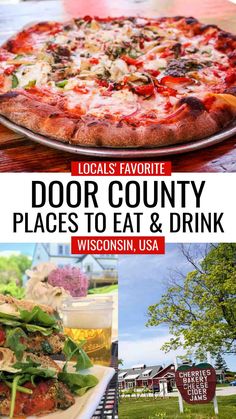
x=194 y=104
x=8 y=95
x=231 y=90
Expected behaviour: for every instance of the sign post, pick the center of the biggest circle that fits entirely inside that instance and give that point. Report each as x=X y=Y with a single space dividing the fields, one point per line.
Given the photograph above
x=181 y=405
x=197 y=384
x=215 y=403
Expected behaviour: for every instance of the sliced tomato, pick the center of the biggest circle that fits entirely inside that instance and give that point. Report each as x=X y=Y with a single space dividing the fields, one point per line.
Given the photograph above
x=9 y=70
x=141 y=43
x=39 y=404
x=87 y=18
x=175 y=80
x=131 y=61
x=102 y=83
x=230 y=76
x=216 y=73
x=166 y=53
x=151 y=56
x=42 y=387
x=166 y=91
x=153 y=73
x=94 y=60
x=222 y=67
x=168 y=106
x=2 y=80
x=4 y=389
x=81 y=89
x=2 y=336
x=144 y=90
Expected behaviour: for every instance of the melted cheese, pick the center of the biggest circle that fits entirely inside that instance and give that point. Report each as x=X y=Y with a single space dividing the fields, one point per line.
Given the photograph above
x=106 y=42
x=118 y=69
x=122 y=102
x=39 y=72
x=155 y=64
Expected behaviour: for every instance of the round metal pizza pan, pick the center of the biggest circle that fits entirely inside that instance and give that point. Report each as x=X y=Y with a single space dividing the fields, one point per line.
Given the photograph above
x=122 y=152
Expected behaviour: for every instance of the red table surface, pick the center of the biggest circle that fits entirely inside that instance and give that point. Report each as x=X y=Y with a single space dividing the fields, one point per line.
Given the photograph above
x=19 y=154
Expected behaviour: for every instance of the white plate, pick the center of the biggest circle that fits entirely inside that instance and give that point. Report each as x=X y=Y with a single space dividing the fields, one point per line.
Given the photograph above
x=86 y=405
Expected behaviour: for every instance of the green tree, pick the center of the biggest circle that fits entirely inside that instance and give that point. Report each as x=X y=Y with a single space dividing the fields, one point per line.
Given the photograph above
x=200 y=307
x=12 y=269
x=220 y=363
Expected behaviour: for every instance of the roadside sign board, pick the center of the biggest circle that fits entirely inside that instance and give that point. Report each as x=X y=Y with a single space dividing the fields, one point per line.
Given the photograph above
x=196 y=384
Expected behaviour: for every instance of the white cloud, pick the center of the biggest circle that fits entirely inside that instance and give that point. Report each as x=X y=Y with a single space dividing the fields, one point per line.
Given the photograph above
x=146 y=351
x=8 y=253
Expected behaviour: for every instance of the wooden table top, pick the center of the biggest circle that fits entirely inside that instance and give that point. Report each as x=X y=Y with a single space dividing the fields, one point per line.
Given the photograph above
x=19 y=154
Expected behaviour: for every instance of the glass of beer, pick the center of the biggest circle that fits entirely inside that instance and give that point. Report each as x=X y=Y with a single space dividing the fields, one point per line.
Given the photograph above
x=89 y=320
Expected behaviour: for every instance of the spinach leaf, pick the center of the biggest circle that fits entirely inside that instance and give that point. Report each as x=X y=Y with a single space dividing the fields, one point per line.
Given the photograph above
x=74 y=350
x=13 y=341
x=31 y=368
x=43 y=330
x=9 y=322
x=78 y=383
x=38 y=316
x=33 y=321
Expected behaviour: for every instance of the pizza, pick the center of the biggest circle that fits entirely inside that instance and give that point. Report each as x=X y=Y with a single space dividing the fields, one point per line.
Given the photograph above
x=120 y=82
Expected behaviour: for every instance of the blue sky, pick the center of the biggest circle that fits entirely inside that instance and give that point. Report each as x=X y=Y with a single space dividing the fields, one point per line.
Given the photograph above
x=142 y=280
x=25 y=248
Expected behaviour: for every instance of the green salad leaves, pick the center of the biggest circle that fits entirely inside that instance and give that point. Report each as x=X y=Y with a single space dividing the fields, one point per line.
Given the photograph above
x=27 y=371
x=76 y=359
x=78 y=383
x=13 y=341
x=31 y=321
x=74 y=351
x=38 y=316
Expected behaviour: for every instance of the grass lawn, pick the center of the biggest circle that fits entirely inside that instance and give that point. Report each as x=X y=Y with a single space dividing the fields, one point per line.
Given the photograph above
x=169 y=409
x=104 y=290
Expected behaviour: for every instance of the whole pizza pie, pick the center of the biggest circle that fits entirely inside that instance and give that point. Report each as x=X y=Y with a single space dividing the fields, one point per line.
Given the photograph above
x=120 y=82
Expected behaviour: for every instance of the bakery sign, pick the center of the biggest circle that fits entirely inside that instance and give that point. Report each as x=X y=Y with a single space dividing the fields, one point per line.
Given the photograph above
x=196 y=384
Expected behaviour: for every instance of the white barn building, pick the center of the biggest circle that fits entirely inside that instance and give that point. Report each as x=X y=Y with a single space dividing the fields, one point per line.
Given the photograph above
x=101 y=269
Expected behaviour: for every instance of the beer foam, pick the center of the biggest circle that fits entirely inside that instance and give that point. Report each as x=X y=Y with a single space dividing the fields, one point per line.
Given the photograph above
x=97 y=319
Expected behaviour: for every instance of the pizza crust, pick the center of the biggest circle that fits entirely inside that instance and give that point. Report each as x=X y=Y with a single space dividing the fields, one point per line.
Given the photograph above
x=192 y=124
x=192 y=121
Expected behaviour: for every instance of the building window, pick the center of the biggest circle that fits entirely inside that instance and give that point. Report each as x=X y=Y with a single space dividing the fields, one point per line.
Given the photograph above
x=67 y=249
x=60 y=249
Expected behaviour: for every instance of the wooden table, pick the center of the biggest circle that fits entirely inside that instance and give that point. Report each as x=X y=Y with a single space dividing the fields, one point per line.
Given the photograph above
x=18 y=154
